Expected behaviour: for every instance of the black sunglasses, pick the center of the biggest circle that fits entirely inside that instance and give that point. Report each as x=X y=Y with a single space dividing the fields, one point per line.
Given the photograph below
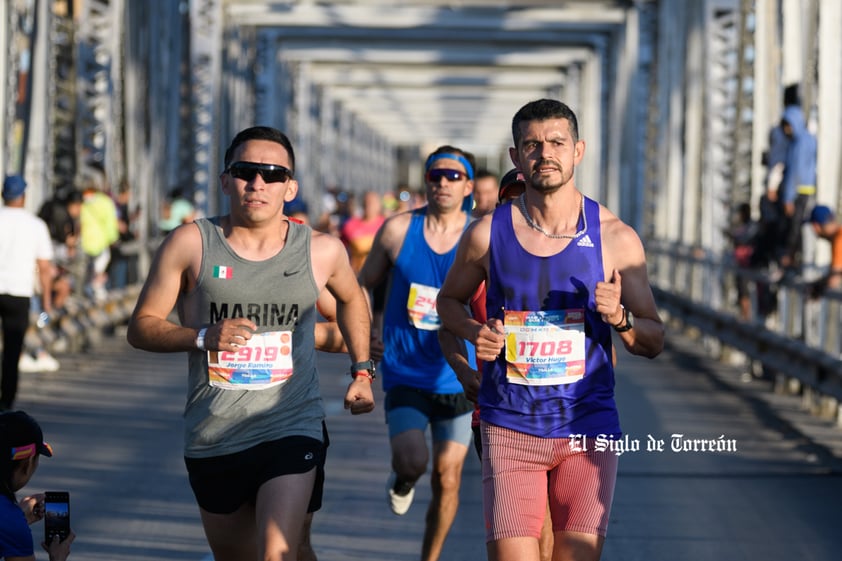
x=269 y=172
x=436 y=175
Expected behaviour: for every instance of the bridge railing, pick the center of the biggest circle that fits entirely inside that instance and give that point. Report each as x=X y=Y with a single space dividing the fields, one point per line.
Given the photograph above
x=83 y=322
x=792 y=334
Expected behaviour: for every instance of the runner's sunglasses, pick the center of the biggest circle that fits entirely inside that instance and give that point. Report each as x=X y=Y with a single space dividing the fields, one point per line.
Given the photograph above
x=436 y=175
x=269 y=172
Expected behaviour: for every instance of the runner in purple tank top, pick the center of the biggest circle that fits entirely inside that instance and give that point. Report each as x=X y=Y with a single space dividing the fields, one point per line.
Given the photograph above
x=562 y=272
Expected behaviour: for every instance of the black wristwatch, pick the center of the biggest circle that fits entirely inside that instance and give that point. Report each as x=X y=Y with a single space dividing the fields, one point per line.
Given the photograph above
x=365 y=366
x=626 y=323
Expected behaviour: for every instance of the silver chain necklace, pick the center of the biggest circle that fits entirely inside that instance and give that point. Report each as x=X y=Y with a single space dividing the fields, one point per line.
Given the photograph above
x=521 y=203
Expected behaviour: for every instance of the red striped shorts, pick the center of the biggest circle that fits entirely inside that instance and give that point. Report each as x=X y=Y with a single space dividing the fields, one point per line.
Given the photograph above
x=519 y=471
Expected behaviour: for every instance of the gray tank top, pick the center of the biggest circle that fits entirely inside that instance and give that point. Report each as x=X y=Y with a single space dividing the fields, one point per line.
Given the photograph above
x=279 y=295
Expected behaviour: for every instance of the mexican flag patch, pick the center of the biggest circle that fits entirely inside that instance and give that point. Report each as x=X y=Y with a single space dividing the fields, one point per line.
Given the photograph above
x=223 y=272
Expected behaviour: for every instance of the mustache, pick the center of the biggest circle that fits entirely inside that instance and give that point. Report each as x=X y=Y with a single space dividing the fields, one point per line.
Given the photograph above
x=546 y=163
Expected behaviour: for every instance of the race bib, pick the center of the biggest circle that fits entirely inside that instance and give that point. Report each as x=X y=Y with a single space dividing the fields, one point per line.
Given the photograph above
x=421 y=307
x=264 y=361
x=545 y=348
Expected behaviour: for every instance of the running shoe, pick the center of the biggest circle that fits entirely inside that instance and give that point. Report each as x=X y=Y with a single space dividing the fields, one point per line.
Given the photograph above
x=399 y=503
x=27 y=363
x=47 y=362
x=43 y=362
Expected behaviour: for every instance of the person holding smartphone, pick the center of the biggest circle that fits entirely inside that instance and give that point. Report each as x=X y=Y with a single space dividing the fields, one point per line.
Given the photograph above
x=21 y=445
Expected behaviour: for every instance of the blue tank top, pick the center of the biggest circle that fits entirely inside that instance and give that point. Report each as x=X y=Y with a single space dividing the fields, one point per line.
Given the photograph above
x=521 y=281
x=412 y=354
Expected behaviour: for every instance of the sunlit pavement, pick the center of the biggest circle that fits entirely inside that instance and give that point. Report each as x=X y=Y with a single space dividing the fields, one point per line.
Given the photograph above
x=113 y=417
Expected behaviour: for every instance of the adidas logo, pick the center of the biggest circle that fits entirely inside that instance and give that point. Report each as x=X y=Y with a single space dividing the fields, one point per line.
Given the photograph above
x=585 y=241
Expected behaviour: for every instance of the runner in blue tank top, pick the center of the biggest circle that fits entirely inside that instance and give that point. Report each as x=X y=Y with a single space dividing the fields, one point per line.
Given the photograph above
x=416 y=248
x=561 y=271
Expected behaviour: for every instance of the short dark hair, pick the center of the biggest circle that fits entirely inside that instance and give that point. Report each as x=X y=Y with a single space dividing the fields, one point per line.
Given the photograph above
x=543 y=110
x=260 y=133
x=73 y=196
x=791 y=95
x=483 y=172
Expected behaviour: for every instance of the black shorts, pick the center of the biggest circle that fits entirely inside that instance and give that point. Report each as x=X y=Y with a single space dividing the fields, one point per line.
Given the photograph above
x=222 y=484
x=434 y=405
x=477 y=440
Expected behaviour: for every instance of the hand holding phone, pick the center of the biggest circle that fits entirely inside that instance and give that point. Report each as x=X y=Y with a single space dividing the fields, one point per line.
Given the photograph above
x=56 y=515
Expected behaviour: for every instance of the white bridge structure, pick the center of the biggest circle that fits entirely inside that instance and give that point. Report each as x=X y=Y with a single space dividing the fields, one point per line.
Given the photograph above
x=675 y=100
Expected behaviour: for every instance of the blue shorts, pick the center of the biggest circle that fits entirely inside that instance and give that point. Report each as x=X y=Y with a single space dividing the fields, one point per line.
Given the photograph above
x=448 y=415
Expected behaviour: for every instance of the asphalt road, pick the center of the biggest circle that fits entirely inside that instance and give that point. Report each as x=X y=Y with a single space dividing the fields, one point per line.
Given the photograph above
x=113 y=416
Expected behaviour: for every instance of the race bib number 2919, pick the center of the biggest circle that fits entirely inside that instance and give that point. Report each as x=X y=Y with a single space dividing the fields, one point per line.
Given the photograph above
x=265 y=361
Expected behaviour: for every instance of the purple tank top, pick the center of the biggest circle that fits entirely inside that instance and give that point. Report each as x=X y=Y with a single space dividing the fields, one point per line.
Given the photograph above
x=561 y=285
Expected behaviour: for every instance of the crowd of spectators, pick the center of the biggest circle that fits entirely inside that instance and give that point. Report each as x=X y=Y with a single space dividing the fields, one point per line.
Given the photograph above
x=771 y=248
x=91 y=229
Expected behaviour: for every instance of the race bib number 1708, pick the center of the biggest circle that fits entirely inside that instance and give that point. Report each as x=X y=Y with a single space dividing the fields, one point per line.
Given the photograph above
x=545 y=347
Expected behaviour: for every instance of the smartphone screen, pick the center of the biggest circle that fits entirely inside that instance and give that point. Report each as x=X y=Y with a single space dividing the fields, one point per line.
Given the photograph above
x=56 y=515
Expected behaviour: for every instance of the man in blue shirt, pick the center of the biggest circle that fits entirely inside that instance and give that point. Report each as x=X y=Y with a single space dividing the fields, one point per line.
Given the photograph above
x=417 y=248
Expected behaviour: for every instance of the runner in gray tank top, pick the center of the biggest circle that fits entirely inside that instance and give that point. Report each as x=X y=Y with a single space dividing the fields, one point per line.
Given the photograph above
x=245 y=286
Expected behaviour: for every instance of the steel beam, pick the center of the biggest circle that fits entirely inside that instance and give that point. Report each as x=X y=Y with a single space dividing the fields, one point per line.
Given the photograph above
x=99 y=146
x=205 y=74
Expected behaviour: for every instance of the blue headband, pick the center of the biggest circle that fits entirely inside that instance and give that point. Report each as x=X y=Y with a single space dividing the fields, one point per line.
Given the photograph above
x=461 y=159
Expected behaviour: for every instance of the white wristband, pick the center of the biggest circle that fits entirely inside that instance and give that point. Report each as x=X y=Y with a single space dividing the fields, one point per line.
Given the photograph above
x=200 y=339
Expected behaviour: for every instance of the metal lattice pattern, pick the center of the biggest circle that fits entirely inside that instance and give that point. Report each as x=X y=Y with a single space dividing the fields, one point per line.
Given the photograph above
x=62 y=101
x=652 y=187
x=13 y=152
x=743 y=133
x=647 y=85
x=98 y=72
x=720 y=151
x=205 y=31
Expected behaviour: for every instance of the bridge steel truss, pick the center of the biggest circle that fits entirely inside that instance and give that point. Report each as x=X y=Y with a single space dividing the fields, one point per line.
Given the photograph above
x=336 y=145
x=675 y=102
x=718 y=89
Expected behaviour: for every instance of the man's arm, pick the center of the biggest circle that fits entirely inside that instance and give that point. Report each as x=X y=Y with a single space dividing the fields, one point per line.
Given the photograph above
x=149 y=328
x=628 y=284
x=46 y=273
x=464 y=277
x=454 y=351
x=329 y=337
x=352 y=313
x=385 y=248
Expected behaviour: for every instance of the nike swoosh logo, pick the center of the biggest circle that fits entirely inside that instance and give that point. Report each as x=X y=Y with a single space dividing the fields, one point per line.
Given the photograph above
x=290 y=273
